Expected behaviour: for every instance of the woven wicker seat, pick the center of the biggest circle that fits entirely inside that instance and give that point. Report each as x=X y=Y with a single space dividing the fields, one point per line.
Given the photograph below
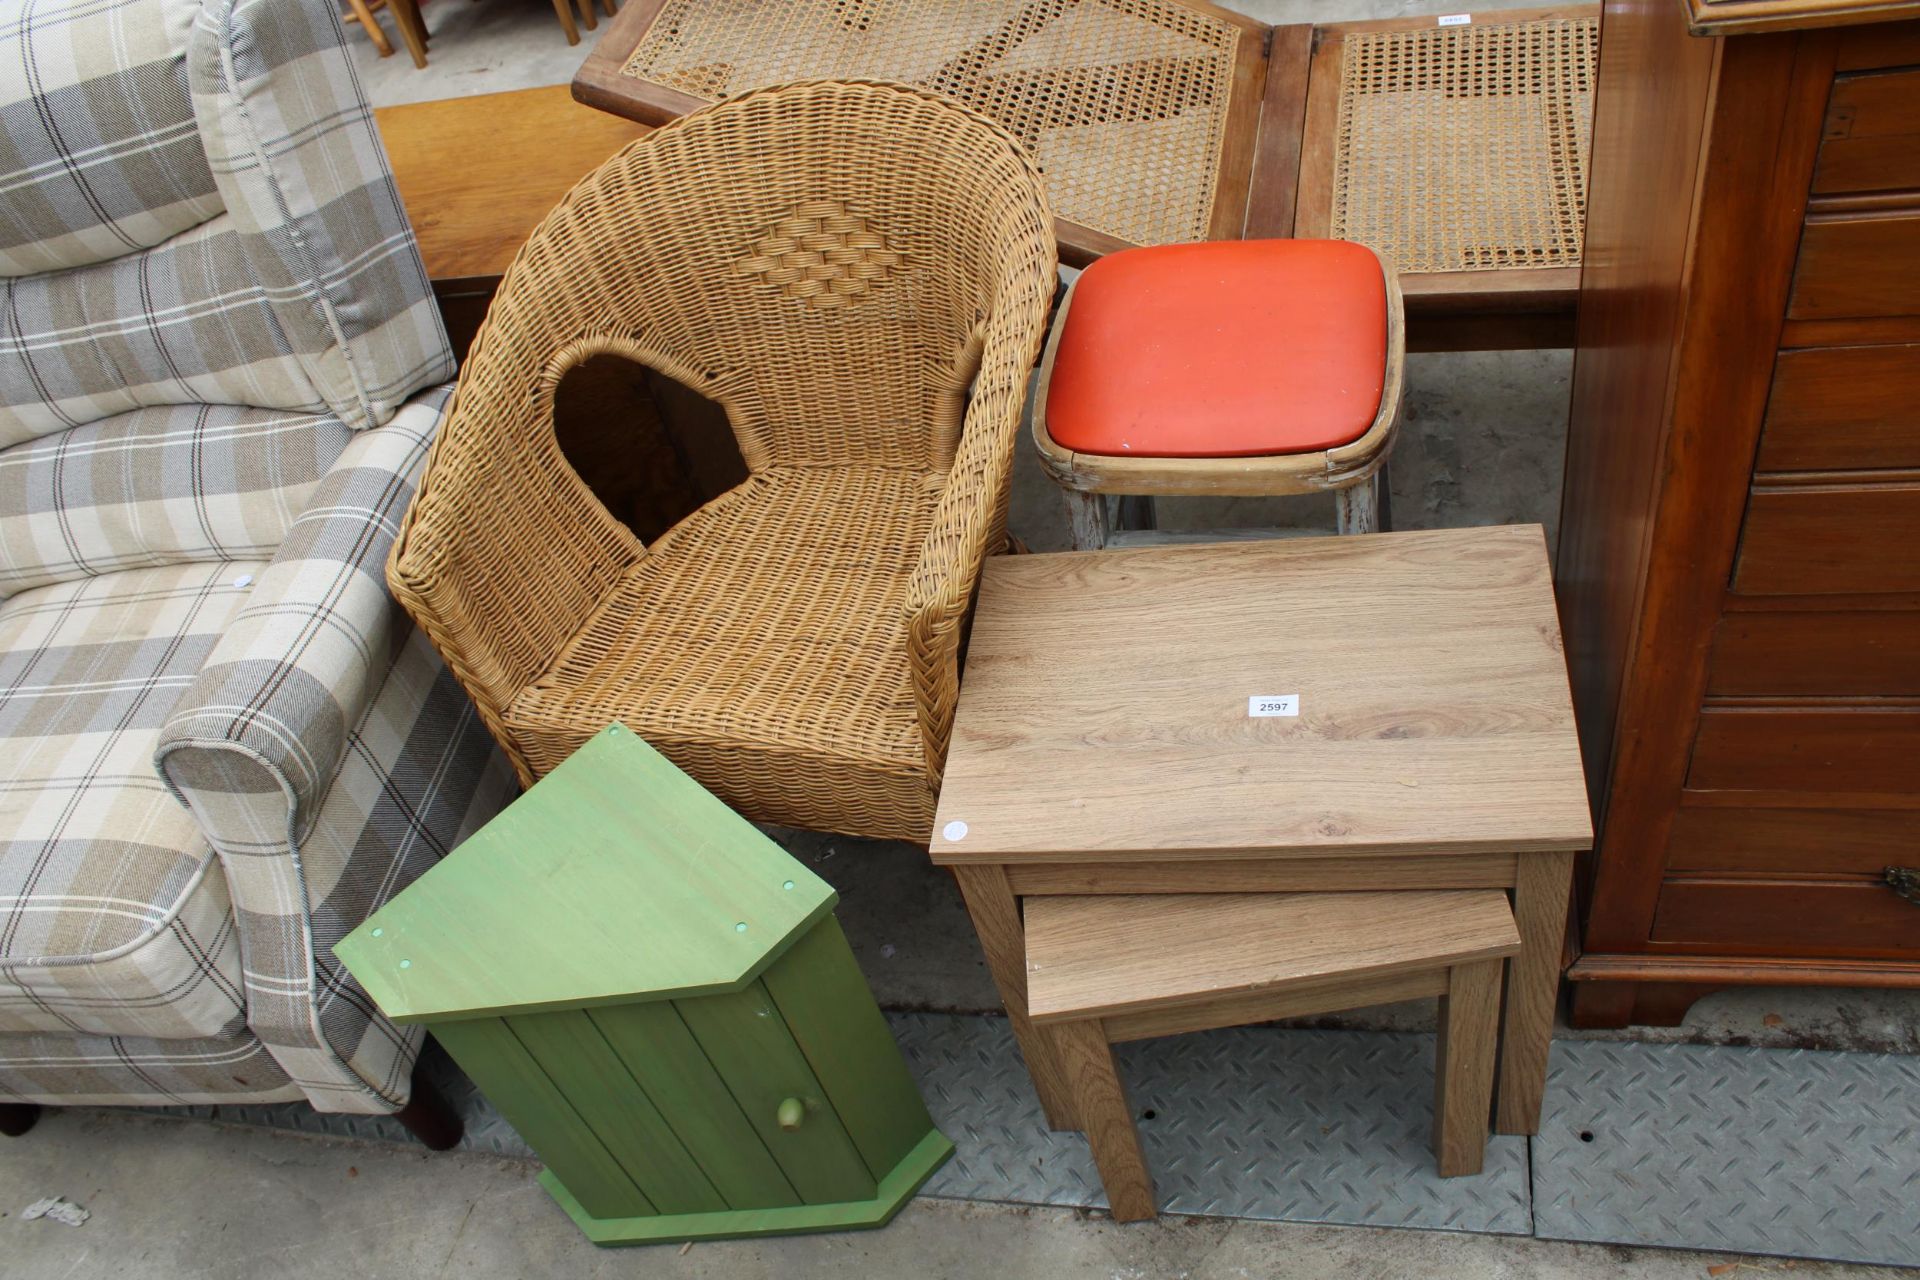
x=859 y=275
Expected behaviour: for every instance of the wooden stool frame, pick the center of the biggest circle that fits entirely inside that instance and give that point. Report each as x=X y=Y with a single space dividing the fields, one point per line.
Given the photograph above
x=1354 y=472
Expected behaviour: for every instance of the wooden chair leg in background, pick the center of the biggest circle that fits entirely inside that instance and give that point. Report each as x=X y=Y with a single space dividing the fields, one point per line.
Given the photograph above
x=1104 y=1113
x=1463 y=1060
x=587 y=19
x=563 y=10
x=17 y=1117
x=609 y=7
x=363 y=15
x=413 y=29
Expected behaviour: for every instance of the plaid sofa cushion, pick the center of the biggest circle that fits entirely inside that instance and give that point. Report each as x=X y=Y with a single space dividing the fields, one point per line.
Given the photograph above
x=172 y=485
x=299 y=163
x=118 y=1071
x=181 y=323
x=97 y=138
x=306 y=293
x=111 y=919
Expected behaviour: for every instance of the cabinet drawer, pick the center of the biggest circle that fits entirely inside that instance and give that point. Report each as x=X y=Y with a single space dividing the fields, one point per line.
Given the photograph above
x=1843 y=408
x=1831 y=917
x=1857 y=266
x=1859 y=652
x=1828 y=539
x=1872 y=136
x=1859 y=750
x=1792 y=842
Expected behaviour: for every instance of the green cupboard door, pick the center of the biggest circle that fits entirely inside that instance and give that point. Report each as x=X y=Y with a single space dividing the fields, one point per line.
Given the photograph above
x=830 y=1012
x=571 y=1050
x=489 y=1052
x=656 y=1047
x=745 y=1038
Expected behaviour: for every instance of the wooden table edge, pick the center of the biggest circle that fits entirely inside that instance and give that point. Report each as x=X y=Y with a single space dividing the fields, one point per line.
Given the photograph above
x=950 y=856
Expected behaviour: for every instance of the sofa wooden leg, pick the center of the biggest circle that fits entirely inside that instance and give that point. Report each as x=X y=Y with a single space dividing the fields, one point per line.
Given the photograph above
x=428 y=1118
x=17 y=1117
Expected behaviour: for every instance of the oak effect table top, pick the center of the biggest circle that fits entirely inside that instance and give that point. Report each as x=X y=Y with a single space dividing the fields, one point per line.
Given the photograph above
x=1106 y=712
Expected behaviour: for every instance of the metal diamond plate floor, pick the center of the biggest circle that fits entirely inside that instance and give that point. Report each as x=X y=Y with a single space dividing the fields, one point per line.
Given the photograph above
x=1787 y=1151
x=1321 y=1126
x=1794 y=1152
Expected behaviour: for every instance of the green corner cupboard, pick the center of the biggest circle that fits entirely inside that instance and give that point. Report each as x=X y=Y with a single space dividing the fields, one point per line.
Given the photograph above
x=658 y=998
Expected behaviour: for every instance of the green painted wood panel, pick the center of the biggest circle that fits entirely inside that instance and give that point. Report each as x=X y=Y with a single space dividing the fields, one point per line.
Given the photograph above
x=489 y=1052
x=616 y=877
x=898 y=1188
x=745 y=1038
x=661 y=1053
x=831 y=1014
x=579 y=1061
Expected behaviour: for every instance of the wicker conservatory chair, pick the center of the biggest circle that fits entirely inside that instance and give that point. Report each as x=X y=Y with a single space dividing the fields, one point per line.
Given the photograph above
x=859 y=275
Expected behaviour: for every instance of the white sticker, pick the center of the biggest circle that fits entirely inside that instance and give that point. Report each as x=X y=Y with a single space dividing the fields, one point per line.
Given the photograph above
x=955 y=830
x=1456 y=19
x=243 y=581
x=1274 y=704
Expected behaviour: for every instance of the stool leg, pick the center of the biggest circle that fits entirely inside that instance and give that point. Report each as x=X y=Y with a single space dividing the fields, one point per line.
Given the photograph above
x=1101 y=1100
x=1087 y=512
x=1133 y=511
x=1357 y=507
x=1463 y=1066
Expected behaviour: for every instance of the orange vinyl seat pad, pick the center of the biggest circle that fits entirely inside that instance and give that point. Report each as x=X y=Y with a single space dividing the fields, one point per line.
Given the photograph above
x=1227 y=349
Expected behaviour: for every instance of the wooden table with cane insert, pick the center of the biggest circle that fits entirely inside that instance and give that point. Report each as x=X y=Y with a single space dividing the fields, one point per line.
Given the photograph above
x=1380 y=712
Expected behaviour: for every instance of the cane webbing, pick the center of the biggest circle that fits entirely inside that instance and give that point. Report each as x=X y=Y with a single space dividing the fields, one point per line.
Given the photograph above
x=1122 y=102
x=1465 y=148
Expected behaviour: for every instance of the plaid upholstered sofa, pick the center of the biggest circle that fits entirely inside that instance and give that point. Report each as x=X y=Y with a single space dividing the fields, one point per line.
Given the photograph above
x=221 y=744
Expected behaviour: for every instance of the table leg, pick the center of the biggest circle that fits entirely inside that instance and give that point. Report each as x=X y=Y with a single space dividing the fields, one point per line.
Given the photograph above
x=1102 y=1099
x=996 y=918
x=1542 y=882
x=1463 y=1067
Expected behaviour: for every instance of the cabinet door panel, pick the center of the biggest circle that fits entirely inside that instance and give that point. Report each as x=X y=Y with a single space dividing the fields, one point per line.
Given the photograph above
x=1858 y=266
x=1843 y=408
x=1837 y=918
x=1791 y=842
x=1828 y=539
x=1820 y=654
x=1845 y=751
x=1872 y=138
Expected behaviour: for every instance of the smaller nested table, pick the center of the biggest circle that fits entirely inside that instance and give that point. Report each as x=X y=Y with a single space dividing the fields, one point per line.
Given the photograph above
x=1381 y=712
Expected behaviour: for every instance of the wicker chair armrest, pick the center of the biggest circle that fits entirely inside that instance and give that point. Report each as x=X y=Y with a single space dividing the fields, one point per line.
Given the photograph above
x=501 y=559
x=969 y=524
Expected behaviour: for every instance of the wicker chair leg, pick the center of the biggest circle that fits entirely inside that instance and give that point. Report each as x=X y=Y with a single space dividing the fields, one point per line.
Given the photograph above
x=428 y=1117
x=17 y=1117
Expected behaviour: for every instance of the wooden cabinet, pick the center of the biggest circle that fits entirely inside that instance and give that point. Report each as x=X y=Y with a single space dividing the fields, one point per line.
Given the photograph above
x=1739 y=560
x=659 y=1000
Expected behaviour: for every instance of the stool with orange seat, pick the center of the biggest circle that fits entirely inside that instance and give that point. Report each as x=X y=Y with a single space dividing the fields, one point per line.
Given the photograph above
x=1242 y=368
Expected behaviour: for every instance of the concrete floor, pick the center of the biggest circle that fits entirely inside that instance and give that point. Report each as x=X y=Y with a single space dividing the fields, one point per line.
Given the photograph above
x=177 y=1199
x=1481 y=443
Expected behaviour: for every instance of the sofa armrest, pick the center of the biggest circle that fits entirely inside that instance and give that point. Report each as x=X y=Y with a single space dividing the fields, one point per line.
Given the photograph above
x=279 y=694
